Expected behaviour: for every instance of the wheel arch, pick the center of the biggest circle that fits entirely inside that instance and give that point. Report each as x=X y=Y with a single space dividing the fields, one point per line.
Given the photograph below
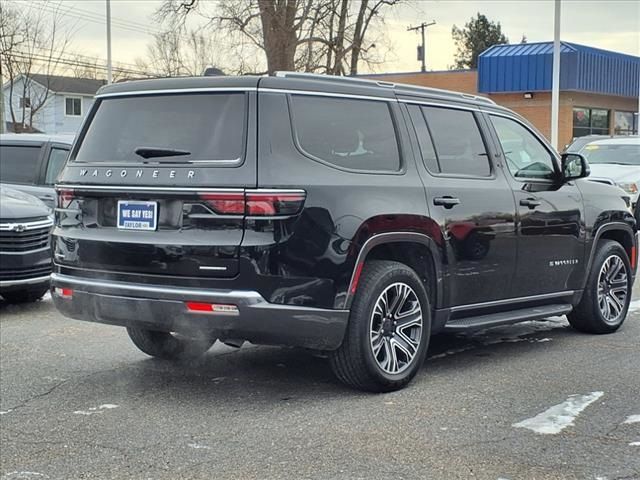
x=618 y=232
x=416 y=250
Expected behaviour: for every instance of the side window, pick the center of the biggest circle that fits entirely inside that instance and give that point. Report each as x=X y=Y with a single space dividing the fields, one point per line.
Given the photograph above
x=524 y=154
x=353 y=134
x=57 y=159
x=19 y=164
x=424 y=139
x=458 y=142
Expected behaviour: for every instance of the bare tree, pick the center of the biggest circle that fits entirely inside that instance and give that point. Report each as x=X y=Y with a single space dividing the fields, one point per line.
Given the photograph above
x=312 y=35
x=32 y=41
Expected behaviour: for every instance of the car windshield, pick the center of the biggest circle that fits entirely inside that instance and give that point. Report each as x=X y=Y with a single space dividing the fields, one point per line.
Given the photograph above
x=618 y=154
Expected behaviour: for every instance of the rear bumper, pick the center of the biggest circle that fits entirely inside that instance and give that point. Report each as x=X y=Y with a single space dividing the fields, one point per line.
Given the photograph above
x=164 y=309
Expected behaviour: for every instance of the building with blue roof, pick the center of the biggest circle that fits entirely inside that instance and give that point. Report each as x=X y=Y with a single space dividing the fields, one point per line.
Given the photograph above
x=599 y=89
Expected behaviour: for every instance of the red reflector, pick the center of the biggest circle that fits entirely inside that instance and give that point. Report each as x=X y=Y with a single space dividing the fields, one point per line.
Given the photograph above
x=65 y=197
x=212 y=308
x=634 y=256
x=356 y=278
x=267 y=204
x=231 y=203
x=63 y=292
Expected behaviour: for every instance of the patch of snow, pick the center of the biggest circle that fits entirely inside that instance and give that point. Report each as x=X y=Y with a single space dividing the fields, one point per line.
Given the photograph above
x=198 y=446
x=557 y=418
x=24 y=475
x=632 y=419
x=99 y=409
x=634 y=306
x=634 y=444
x=4 y=412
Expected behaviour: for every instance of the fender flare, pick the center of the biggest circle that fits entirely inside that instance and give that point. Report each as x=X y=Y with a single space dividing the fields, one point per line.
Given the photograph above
x=596 y=237
x=395 y=237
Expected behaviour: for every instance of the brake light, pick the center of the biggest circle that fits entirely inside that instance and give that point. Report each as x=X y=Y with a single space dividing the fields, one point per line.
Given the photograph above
x=274 y=203
x=221 y=308
x=225 y=203
x=255 y=203
x=65 y=197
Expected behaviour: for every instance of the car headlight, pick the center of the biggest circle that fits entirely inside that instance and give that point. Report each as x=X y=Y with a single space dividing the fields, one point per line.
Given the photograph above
x=630 y=187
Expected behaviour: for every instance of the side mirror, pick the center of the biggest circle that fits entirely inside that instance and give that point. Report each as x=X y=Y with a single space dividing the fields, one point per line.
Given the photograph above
x=574 y=166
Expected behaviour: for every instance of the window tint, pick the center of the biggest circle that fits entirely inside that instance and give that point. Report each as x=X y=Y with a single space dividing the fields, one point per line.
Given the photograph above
x=19 y=164
x=458 y=142
x=354 y=134
x=424 y=139
x=206 y=126
x=525 y=156
x=57 y=159
x=73 y=106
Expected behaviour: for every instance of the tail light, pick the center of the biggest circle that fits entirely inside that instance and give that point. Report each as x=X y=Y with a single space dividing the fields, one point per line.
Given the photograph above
x=256 y=203
x=63 y=292
x=65 y=197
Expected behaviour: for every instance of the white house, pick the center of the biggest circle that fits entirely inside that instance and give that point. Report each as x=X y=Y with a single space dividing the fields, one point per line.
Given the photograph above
x=59 y=103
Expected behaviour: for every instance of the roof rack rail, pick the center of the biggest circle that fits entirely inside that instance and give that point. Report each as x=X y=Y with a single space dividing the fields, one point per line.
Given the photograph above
x=333 y=78
x=379 y=83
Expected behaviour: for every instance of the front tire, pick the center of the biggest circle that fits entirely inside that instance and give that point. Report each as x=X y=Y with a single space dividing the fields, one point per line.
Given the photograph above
x=168 y=346
x=605 y=301
x=389 y=328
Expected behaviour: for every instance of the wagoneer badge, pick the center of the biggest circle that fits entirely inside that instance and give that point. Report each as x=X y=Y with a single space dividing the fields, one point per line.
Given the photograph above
x=139 y=173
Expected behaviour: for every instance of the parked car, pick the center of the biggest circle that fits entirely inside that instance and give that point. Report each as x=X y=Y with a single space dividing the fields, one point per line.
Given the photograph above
x=25 y=252
x=615 y=161
x=348 y=216
x=31 y=162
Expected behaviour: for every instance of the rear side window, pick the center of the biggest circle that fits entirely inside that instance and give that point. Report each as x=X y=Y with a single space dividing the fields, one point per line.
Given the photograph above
x=348 y=133
x=19 y=164
x=195 y=127
x=458 y=142
x=57 y=159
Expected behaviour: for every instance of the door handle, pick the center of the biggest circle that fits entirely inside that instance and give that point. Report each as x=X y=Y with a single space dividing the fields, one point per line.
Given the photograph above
x=446 y=202
x=530 y=202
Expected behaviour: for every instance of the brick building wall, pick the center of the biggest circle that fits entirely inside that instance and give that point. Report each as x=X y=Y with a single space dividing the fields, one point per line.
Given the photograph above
x=537 y=109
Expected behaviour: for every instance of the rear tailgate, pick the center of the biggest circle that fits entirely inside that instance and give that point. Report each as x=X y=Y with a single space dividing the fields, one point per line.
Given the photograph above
x=176 y=207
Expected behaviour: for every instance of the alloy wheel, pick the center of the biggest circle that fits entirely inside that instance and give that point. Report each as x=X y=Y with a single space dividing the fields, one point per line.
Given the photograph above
x=396 y=328
x=613 y=289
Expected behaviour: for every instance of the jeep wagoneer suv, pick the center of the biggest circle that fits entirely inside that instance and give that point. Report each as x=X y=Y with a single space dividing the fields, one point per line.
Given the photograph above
x=347 y=216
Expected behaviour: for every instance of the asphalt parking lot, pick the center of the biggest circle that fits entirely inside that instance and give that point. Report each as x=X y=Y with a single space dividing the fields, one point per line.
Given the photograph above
x=531 y=401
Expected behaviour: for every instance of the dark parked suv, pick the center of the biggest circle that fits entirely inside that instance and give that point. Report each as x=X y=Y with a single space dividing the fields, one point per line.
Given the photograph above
x=352 y=217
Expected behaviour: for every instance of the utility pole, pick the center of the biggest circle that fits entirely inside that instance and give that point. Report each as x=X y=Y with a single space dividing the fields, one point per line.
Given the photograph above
x=422 y=50
x=109 y=72
x=555 y=84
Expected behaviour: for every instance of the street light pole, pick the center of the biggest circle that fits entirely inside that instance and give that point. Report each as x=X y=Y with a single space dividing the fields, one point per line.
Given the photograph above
x=555 y=85
x=422 y=53
x=109 y=71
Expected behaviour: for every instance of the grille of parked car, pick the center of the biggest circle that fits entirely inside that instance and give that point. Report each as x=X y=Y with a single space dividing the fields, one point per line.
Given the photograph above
x=24 y=236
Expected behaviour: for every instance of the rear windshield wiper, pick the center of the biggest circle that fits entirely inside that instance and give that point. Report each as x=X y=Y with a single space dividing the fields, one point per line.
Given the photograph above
x=153 y=152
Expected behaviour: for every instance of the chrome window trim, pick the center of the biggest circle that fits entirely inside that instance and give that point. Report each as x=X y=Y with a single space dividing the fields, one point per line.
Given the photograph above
x=171 y=91
x=327 y=94
x=469 y=108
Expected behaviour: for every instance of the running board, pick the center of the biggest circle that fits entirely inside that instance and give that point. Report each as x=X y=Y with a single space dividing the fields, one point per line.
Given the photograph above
x=505 y=318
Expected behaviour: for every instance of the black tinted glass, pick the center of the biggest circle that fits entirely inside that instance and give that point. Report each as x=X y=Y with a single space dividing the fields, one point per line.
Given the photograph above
x=200 y=126
x=354 y=134
x=57 y=159
x=424 y=139
x=19 y=164
x=458 y=142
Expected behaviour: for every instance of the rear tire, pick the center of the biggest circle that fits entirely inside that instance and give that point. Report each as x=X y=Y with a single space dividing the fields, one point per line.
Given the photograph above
x=24 y=296
x=386 y=340
x=168 y=346
x=605 y=301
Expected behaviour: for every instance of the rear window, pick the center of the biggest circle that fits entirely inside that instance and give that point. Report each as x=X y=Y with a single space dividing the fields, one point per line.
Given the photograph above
x=19 y=164
x=199 y=127
x=347 y=133
x=618 y=154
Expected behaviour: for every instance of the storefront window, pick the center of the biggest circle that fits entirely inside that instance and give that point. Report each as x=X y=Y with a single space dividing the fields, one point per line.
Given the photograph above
x=624 y=123
x=590 y=121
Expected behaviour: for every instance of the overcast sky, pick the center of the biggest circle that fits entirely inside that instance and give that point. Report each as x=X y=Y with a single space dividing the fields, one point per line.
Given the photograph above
x=612 y=24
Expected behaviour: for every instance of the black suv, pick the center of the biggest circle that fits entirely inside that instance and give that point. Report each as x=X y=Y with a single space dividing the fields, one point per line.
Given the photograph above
x=347 y=216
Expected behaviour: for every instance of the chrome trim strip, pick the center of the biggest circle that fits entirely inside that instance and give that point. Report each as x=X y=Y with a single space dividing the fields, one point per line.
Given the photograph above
x=469 y=108
x=39 y=224
x=176 y=90
x=26 y=281
x=220 y=269
x=128 y=188
x=326 y=94
x=2 y=252
x=508 y=301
